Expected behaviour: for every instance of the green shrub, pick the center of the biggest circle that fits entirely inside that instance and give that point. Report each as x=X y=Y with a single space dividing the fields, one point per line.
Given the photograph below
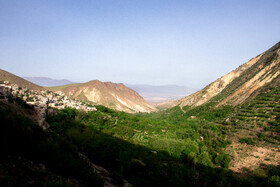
x=223 y=160
x=249 y=141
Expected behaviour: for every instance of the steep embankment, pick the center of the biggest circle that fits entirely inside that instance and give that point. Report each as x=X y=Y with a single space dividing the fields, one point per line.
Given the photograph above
x=237 y=86
x=6 y=76
x=115 y=96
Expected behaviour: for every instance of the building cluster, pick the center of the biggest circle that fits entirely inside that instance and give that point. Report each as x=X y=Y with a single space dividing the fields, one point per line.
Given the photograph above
x=41 y=100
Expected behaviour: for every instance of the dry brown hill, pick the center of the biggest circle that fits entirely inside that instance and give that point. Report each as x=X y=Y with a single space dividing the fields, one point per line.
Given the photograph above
x=244 y=82
x=115 y=96
x=6 y=76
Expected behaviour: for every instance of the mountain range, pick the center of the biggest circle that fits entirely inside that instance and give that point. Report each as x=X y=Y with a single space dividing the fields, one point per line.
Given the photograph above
x=163 y=93
x=151 y=93
x=226 y=134
x=112 y=95
x=244 y=83
x=48 y=82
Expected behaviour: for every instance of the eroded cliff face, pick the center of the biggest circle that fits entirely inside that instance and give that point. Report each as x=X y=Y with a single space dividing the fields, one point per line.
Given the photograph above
x=262 y=78
x=216 y=87
x=115 y=96
x=237 y=86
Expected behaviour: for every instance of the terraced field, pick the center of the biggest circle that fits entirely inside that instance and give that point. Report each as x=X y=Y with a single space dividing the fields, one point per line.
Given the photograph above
x=254 y=131
x=259 y=119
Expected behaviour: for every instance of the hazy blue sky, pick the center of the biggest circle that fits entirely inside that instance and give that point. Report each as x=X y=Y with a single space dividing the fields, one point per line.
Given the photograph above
x=154 y=42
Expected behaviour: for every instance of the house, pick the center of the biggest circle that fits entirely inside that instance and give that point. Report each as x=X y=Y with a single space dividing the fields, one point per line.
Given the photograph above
x=52 y=104
x=9 y=86
x=15 y=87
x=30 y=102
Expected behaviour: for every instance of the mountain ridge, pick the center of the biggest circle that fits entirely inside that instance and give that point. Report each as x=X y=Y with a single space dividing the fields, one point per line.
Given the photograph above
x=152 y=93
x=231 y=128
x=14 y=79
x=238 y=85
x=48 y=82
x=113 y=95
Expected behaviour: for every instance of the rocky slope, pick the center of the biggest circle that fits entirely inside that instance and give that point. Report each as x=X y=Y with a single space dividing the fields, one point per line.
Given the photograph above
x=115 y=96
x=241 y=84
x=6 y=76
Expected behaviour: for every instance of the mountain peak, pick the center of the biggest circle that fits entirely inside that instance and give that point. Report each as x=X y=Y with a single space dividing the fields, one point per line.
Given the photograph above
x=113 y=95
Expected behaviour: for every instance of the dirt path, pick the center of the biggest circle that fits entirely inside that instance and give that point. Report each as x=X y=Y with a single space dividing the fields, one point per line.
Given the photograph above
x=182 y=108
x=251 y=157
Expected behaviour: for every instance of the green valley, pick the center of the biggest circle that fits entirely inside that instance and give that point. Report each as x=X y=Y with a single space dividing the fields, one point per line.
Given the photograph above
x=227 y=134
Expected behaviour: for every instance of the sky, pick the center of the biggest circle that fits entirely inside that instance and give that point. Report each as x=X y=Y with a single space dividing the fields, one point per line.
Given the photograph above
x=157 y=42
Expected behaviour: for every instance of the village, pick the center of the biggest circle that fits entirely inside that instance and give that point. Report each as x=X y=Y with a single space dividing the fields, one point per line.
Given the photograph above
x=42 y=101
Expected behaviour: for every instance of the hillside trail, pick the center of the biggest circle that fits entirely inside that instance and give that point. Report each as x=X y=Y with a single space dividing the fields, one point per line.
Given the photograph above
x=182 y=109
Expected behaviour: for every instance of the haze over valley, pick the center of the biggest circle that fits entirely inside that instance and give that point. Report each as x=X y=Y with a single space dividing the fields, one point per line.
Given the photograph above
x=153 y=94
x=139 y=93
x=48 y=82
